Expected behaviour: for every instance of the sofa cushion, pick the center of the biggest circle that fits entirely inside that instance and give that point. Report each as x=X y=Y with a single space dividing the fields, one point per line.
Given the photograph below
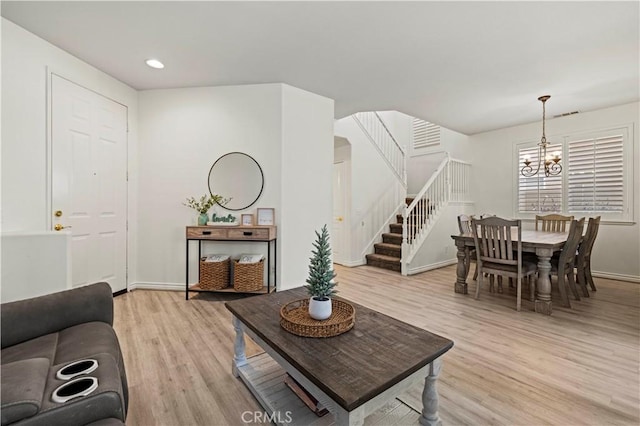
x=80 y=341
x=23 y=384
x=27 y=319
x=40 y=347
x=85 y=340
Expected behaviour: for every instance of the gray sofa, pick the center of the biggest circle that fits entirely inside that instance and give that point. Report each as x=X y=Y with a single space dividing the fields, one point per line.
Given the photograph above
x=44 y=334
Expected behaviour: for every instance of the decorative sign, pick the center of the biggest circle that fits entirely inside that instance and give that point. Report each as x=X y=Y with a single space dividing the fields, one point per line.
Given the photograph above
x=215 y=219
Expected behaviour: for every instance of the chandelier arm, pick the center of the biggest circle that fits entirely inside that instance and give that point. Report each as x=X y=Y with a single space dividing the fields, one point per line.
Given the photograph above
x=527 y=170
x=554 y=169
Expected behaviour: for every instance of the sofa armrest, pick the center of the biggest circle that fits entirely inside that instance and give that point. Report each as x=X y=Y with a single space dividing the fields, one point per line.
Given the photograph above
x=23 y=320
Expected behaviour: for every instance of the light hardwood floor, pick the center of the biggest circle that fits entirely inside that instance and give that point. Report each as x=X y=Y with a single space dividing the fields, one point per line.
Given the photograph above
x=580 y=366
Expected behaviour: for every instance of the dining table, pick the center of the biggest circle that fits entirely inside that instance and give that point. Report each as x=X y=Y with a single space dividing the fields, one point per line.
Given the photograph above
x=544 y=244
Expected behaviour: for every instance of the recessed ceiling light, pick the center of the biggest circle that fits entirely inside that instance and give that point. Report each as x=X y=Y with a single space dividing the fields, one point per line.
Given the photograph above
x=154 y=63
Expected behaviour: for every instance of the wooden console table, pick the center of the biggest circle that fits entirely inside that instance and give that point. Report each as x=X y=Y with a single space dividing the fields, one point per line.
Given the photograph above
x=353 y=375
x=244 y=234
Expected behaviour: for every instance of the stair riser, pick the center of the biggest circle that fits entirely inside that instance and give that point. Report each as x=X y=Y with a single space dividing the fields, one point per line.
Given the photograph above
x=384 y=265
x=392 y=238
x=389 y=251
x=396 y=228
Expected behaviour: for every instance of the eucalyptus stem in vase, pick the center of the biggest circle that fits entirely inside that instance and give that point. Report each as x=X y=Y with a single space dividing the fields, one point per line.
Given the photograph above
x=203 y=205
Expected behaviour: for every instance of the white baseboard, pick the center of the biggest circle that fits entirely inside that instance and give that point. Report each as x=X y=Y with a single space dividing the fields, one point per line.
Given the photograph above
x=618 y=277
x=462 y=203
x=157 y=286
x=426 y=268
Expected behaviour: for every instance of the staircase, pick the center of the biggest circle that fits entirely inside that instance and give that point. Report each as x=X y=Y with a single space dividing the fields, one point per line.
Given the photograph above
x=399 y=246
x=450 y=182
x=388 y=253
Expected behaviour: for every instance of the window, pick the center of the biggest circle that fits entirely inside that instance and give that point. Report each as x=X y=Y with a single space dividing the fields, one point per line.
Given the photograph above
x=539 y=193
x=425 y=134
x=595 y=179
x=595 y=176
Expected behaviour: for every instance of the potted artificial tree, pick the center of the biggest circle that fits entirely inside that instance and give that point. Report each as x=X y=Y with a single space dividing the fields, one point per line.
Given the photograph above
x=321 y=275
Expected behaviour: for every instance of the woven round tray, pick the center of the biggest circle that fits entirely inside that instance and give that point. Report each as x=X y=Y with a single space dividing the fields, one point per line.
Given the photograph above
x=294 y=317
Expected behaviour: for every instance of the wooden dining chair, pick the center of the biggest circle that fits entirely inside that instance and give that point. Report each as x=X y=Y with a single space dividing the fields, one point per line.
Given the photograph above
x=563 y=266
x=464 y=225
x=583 y=259
x=552 y=222
x=494 y=240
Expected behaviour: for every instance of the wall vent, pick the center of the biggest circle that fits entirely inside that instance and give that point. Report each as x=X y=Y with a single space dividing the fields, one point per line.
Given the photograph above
x=565 y=114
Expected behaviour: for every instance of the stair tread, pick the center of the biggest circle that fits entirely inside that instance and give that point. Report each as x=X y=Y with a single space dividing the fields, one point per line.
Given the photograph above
x=383 y=257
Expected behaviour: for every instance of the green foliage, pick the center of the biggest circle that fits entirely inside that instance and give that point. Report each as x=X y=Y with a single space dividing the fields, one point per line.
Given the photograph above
x=205 y=202
x=321 y=273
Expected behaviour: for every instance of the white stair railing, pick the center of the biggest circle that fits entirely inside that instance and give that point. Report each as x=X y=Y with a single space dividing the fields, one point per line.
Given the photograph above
x=450 y=182
x=376 y=219
x=384 y=142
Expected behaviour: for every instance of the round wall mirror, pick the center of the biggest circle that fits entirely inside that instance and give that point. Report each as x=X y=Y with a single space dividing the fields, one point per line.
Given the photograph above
x=239 y=177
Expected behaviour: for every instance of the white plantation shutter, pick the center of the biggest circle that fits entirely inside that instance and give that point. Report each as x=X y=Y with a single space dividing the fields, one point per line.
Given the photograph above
x=425 y=134
x=596 y=174
x=539 y=193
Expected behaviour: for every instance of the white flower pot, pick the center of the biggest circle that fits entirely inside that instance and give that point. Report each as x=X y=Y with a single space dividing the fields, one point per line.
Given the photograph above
x=319 y=309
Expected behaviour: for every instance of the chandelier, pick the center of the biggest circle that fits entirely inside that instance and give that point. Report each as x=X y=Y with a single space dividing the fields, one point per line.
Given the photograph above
x=552 y=165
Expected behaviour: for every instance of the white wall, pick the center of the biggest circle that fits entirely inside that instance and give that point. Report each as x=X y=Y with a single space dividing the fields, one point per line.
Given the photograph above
x=371 y=178
x=439 y=249
x=35 y=264
x=183 y=132
x=307 y=170
x=400 y=126
x=617 y=248
x=423 y=162
x=25 y=60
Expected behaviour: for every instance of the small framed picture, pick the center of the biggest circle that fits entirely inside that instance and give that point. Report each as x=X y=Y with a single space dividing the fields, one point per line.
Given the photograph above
x=266 y=216
x=247 y=220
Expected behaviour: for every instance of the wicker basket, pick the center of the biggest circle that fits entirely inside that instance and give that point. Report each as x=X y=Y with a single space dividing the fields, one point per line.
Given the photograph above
x=214 y=275
x=248 y=276
x=295 y=318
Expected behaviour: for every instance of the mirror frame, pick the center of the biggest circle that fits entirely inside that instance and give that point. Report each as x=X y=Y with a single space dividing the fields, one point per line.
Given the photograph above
x=261 y=175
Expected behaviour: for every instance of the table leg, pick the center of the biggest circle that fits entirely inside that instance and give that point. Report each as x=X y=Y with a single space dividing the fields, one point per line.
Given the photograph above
x=543 y=297
x=239 y=357
x=350 y=418
x=461 y=271
x=430 y=396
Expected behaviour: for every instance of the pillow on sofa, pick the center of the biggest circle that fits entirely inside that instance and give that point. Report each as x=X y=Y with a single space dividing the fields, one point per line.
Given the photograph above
x=22 y=388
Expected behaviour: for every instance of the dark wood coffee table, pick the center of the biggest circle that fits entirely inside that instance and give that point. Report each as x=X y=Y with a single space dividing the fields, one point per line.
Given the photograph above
x=353 y=374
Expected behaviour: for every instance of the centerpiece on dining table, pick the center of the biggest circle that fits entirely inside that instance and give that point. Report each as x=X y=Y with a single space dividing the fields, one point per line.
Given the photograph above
x=320 y=315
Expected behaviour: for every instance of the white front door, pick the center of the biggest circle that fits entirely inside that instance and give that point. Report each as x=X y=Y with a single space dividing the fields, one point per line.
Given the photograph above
x=338 y=234
x=89 y=181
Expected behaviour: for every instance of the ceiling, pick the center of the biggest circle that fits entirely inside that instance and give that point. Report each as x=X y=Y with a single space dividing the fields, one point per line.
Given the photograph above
x=468 y=66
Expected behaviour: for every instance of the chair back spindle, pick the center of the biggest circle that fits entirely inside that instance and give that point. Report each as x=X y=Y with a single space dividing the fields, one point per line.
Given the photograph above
x=464 y=224
x=552 y=223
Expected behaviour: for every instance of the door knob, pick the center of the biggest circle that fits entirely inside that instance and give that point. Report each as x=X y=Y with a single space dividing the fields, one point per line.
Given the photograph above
x=339 y=218
x=58 y=213
x=59 y=227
